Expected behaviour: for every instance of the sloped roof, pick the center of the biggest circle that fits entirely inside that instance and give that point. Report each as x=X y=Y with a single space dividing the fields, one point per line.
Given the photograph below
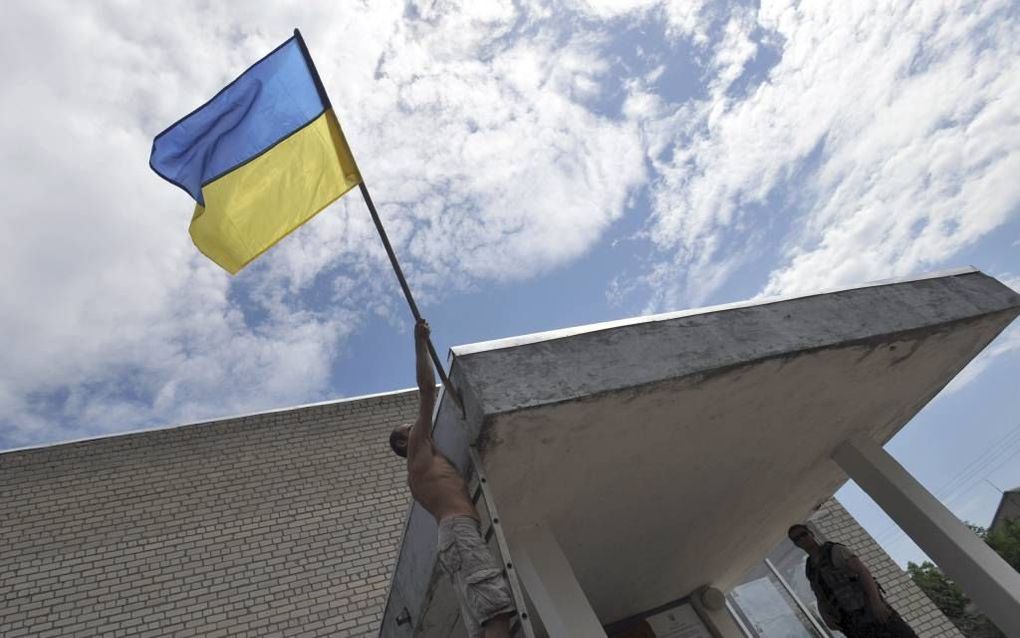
x=280 y=522
x=1008 y=508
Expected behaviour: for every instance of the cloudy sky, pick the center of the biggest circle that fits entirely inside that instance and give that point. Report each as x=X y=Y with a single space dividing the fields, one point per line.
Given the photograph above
x=537 y=165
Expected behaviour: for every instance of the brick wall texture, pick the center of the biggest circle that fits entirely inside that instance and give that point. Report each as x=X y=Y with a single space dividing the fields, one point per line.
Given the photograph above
x=281 y=524
x=836 y=524
x=278 y=524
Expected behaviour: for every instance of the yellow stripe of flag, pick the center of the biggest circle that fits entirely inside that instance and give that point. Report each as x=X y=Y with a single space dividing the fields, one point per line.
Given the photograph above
x=254 y=206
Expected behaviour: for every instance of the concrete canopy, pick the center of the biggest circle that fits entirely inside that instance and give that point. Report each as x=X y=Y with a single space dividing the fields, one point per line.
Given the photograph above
x=673 y=451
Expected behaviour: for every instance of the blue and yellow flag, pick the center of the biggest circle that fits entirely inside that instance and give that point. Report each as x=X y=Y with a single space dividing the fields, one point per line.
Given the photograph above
x=261 y=158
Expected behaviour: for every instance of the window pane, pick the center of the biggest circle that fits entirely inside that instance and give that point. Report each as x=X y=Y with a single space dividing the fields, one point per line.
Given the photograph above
x=789 y=561
x=766 y=609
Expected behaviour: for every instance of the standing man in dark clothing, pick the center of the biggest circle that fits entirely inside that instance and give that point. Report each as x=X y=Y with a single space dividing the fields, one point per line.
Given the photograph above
x=849 y=599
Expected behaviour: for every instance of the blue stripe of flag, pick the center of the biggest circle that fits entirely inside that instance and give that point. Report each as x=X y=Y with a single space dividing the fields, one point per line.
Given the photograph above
x=267 y=103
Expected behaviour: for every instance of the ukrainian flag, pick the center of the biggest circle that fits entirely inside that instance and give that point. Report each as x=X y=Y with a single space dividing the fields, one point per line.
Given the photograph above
x=260 y=158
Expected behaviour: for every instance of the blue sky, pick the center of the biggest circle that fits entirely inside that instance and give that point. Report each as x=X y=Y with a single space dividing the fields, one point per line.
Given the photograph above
x=538 y=165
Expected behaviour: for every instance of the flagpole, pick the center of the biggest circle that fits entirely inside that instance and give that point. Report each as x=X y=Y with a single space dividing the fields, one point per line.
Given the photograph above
x=385 y=239
x=407 y=293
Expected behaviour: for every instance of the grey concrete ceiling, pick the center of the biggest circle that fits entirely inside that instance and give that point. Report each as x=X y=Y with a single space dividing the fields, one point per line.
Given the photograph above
x=656 y=490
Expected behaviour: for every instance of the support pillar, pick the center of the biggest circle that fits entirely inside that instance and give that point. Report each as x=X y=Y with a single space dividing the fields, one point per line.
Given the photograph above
x=990 y=582
x=551 y=585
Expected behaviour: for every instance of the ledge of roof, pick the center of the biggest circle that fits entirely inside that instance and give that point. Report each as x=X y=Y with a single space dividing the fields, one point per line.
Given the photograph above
x=549 y=335
x=209 y=421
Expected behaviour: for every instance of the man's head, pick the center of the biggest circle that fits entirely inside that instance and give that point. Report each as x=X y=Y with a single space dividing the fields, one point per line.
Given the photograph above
x=802 y=537
x=398 y=439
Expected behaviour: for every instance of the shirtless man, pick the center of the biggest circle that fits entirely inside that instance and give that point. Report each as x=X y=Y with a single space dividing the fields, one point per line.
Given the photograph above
x=485 y=599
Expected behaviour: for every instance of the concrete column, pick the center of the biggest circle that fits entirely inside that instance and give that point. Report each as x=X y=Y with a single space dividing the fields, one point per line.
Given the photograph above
x=551 y=585
x=710 y=603
x=990 y=582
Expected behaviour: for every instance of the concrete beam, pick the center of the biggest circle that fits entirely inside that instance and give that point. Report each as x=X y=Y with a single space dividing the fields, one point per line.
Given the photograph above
x=551 y=585
x=990 y=582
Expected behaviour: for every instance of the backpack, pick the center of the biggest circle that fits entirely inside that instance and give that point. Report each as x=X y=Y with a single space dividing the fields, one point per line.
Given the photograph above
x=840 y=586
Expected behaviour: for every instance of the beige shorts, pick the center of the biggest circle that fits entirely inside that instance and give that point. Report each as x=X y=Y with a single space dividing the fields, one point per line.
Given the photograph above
x=481 y=587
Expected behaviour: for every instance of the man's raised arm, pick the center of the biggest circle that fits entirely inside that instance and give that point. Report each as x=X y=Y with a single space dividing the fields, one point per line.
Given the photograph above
x=421 y=434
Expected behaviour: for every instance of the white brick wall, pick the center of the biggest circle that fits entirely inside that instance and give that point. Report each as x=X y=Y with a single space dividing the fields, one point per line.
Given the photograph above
x=283 y=524
x=836 y=525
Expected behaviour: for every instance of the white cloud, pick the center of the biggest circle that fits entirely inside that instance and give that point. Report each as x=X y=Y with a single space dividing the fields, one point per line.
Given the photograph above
x=487 y=136
x=681 y=19
x=514 y=174
x=478 y=143
x=888 y=133
x=612 y=9
x=1007 y=345
x=1013 y=281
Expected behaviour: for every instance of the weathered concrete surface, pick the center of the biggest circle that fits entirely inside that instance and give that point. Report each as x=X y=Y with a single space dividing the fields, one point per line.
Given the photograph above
x=672 y=451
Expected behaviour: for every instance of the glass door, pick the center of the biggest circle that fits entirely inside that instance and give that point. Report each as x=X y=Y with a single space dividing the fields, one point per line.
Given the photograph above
x=767 y=610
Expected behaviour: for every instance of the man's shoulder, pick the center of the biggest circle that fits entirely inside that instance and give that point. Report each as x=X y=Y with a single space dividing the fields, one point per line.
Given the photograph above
x=839 y=554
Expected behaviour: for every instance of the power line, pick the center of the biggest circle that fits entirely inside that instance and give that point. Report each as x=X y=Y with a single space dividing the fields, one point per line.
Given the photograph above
x=994 y=461
x=1001 y=462
x=998 y=452
x=980 y=461
x=1006 y=442
x=990 y=463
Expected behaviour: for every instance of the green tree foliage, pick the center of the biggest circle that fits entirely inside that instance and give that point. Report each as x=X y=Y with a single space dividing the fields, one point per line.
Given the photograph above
x=1006 y=542
x=948 y=596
